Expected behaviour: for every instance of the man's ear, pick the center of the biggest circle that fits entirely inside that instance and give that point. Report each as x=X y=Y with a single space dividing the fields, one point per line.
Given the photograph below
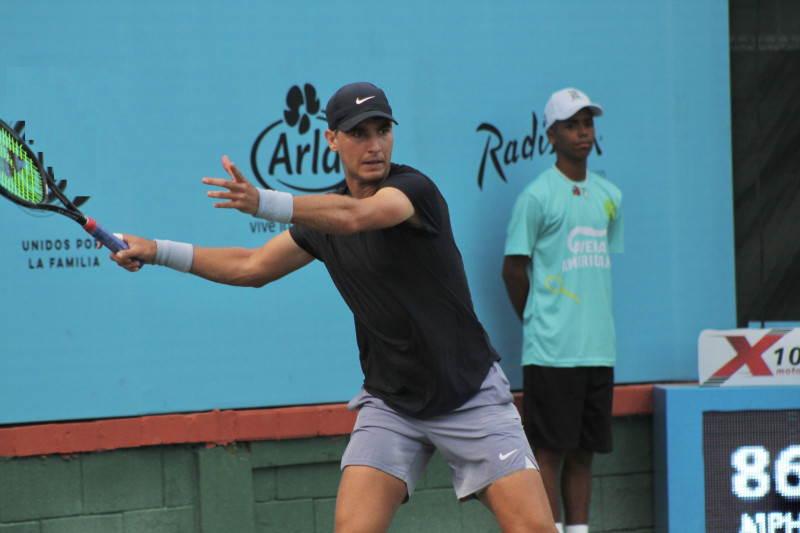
x=550 y=137
x=330 y=136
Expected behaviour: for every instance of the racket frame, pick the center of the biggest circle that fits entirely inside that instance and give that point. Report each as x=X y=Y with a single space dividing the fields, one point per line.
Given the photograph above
x=69 y=210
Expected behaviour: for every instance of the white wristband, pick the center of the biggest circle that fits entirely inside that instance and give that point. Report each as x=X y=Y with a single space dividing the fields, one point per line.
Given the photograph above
x=275 y=205
x=176 y=255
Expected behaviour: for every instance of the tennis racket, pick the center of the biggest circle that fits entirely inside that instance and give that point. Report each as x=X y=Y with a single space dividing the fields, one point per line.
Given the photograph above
x=25 y=181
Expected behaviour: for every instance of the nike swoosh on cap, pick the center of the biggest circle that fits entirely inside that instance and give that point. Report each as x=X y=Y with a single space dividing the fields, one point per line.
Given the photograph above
x=360 y=101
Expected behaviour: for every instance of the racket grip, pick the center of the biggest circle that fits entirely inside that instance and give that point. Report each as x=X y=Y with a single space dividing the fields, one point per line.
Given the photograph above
x=101 y=234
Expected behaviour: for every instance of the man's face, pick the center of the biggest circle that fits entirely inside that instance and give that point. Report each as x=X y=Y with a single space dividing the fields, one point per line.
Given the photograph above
x=573 y=138
x=366 y=150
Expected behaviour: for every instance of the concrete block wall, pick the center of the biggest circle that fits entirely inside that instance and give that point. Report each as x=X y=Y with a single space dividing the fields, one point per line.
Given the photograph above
x=137 y=490
x=273 y=486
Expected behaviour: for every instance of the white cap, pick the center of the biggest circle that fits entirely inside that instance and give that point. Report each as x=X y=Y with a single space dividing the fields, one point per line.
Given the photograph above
x=565 y=103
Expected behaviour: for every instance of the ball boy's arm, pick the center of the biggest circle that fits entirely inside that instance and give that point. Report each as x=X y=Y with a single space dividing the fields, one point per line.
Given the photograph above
x=515 y=277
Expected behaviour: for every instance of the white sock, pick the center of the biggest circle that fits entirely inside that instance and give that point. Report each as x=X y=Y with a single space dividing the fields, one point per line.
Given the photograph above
x=582 y=528
x=560 y=527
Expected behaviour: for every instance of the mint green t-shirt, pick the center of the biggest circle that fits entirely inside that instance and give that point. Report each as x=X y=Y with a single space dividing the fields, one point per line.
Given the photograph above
x=568 y=229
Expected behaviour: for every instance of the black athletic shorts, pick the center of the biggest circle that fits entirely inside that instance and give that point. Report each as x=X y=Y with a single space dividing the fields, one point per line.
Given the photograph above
x=568 y=408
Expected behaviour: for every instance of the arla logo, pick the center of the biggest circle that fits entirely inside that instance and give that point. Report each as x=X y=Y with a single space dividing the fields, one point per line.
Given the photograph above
x=292 y=153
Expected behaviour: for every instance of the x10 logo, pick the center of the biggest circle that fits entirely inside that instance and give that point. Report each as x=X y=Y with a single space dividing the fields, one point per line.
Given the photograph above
x=749 y=357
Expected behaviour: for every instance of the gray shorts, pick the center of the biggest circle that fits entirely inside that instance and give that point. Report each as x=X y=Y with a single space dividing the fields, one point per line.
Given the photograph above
x=482 y=440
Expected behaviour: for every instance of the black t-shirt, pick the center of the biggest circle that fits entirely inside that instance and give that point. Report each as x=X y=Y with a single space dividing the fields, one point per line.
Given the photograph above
x=422 y=349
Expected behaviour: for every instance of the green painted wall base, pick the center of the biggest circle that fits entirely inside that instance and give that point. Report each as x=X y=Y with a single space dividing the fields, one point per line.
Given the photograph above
x=273 y=487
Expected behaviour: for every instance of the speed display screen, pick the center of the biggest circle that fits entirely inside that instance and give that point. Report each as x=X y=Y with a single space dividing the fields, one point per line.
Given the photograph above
x=752 y=471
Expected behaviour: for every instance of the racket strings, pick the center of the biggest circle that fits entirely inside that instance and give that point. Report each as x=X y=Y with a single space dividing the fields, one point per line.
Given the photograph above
x=19 y=174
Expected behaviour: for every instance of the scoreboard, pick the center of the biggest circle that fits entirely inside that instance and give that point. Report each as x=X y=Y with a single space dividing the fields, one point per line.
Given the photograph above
x=752 y=470
x=727 y=459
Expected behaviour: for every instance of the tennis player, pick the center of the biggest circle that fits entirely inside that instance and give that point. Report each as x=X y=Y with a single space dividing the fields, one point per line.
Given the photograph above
x=431 y=377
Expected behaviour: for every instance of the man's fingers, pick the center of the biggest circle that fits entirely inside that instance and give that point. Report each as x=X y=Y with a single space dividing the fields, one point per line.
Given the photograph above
x=225 y=205
x=233 y=170
x=127 y=263
x=228 y=166
x=240 y=192
x=237 y=176
x=233 y=195
x=218 y=182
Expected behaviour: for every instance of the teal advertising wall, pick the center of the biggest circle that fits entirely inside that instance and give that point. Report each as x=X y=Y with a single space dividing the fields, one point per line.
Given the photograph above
x=132 y=103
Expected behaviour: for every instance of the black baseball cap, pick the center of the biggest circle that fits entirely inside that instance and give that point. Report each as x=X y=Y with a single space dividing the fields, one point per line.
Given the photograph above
x=354 y=103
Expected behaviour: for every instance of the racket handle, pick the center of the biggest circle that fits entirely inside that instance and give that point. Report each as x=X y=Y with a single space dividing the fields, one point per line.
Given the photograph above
x=101 y=234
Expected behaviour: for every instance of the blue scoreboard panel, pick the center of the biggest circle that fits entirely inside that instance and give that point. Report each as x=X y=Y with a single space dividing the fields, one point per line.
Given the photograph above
x=727 y=459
